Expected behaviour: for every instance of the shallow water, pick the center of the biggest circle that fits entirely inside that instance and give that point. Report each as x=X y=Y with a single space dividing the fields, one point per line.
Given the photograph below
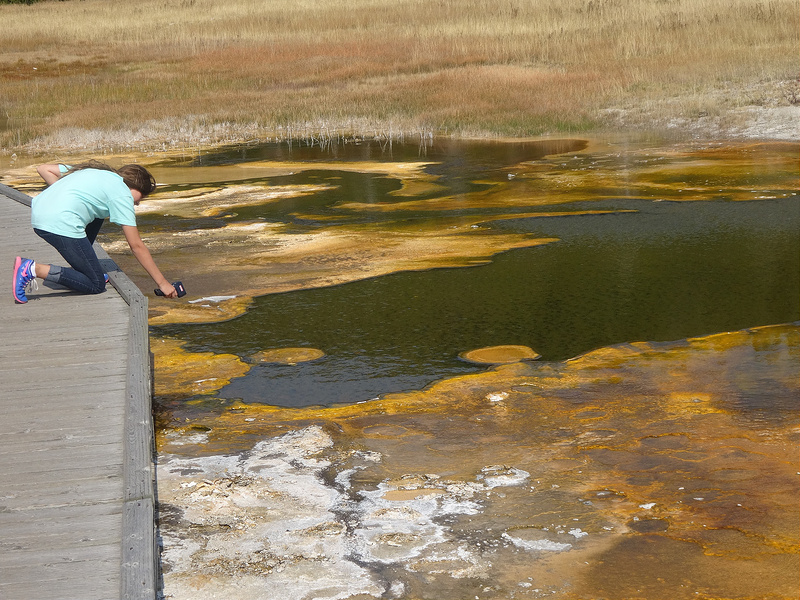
x=654 y=268
x=645 y=468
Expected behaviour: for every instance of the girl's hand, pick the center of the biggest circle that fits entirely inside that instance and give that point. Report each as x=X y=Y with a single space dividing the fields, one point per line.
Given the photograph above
x=169 y=290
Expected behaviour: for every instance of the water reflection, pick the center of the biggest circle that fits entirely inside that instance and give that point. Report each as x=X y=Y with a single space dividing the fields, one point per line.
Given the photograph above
x=665 y=272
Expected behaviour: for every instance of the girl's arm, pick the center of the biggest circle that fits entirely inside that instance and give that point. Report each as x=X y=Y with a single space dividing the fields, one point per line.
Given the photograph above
x=50 y=173
x=142 y=254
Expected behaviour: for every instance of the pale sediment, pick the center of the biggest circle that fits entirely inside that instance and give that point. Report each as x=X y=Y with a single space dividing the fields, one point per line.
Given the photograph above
x=529 y=480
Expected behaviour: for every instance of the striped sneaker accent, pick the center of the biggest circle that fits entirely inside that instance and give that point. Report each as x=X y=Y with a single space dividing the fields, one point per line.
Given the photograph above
x=22 y=277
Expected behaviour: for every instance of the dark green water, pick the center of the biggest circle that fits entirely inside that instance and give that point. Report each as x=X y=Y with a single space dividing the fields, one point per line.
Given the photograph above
x=669 y=271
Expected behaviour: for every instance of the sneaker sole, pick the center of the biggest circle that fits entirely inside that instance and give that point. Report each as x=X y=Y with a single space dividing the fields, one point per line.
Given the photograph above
x=17 y=264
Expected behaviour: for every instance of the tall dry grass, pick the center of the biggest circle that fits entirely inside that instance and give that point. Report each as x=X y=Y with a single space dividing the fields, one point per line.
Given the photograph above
x=467 y=67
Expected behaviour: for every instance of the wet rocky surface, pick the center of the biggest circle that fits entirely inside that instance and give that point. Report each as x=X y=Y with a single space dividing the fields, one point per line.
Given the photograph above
x=643 y=470
x=493 y=355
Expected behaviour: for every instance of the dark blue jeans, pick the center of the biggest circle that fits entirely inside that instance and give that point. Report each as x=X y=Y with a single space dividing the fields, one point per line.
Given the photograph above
x=85 y=274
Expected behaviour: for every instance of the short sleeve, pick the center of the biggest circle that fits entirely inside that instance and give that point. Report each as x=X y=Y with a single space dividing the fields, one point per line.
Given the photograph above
x=120 y=210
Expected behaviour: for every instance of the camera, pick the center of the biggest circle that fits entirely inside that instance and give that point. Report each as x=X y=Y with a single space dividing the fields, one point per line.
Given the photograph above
x=178 y=288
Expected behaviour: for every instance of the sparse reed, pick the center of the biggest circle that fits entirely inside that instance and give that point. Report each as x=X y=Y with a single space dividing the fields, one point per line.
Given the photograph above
x=468 y=67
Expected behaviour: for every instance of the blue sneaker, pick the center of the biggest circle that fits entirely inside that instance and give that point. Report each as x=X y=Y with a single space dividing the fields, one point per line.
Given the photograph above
x=105 y=277
x=22 y=277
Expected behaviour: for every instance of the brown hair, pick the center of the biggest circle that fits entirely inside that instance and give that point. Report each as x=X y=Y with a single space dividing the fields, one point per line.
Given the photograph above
x=138 y=178
x=135 y=177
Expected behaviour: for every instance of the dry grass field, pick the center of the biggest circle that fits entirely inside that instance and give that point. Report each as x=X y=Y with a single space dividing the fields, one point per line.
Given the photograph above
x=150 y=72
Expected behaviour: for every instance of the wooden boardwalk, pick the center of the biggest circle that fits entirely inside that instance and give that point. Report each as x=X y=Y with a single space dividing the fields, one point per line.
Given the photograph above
x=76 y=476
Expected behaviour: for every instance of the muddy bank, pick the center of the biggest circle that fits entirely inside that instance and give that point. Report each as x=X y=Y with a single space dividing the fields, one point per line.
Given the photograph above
x=775 y=119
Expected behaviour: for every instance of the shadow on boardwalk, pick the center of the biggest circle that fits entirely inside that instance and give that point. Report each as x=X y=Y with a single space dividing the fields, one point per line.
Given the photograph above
x=77 y=497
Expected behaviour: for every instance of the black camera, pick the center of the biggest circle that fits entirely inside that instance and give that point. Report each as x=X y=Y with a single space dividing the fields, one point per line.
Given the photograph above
x=178 y=288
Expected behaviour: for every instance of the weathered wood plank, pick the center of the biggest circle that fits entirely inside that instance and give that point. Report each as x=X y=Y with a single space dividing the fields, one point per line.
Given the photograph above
x=87 y=418
x=63 y=579
x=76 y=374
x=50 y=454
x=63 y=339
x=93 y=397
x=69 y=326
x=52 y=533
x=106 y=431
x=76 y=364
x=72 y=516
x=53 y=449
x=40 y=473
x=94 y=403
x=66 y=358
x=70 y=493
x=73 y=556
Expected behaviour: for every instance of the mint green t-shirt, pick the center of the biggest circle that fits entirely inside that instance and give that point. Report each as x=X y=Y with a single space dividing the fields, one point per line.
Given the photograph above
x=71 y=203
